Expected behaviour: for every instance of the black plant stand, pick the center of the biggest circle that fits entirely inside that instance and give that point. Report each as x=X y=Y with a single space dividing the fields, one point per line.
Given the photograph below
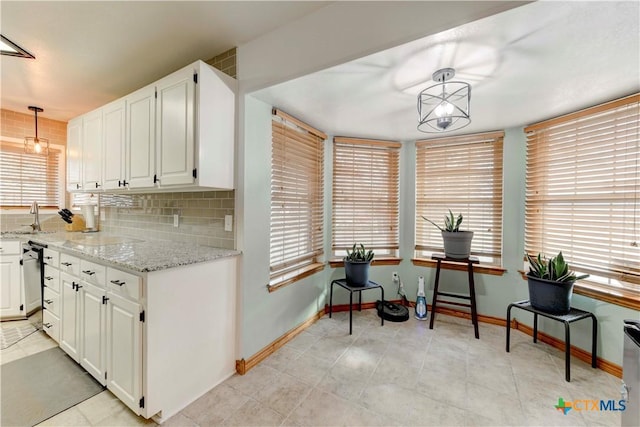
x=343 y=283
x=472 y=291
x=573 y=316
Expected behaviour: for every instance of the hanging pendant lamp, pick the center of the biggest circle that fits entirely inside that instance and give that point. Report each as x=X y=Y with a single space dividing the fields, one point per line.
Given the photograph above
x=444 y=107
x=35 y=145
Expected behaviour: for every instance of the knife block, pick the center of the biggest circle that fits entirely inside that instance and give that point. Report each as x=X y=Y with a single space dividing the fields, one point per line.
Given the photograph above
x=77 y=224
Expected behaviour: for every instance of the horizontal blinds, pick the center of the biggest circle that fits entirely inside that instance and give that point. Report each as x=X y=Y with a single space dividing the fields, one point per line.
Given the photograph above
x=296 y=195
x=25 y=178
x=365 y=194
x=583 y=189
x=463 y=174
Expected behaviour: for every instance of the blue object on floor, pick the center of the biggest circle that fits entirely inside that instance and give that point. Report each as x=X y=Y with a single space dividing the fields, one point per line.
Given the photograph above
x=421 y=301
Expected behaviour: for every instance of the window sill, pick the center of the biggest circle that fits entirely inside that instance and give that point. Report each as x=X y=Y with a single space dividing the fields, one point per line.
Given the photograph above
x=294 y=276
x=619 y=296
x=336 y=263
x=447 y=265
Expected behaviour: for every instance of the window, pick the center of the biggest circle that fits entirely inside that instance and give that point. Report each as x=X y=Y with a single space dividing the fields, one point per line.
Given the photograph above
x=365 y=195
x=25 y=178
x=296 y=200
x=464 y=174
x=583 y=191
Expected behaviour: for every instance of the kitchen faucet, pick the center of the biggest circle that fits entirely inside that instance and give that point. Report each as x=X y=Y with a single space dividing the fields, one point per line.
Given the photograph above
x=35 y=211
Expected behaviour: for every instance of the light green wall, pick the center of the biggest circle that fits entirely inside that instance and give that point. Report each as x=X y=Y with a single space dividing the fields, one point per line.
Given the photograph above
x=267 y=316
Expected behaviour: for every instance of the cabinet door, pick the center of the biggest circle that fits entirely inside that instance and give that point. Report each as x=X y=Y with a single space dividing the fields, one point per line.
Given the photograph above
x=175 y=128
x=92 y=330
x=74 y=154
x=113 y=149
x=69 y=333
x=92 y=150
x=140 y=138
x=11 y=286
x=124 y=354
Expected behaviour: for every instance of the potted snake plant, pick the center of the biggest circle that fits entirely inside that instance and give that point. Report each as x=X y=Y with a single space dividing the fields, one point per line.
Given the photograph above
x=457 y=243
x=356 y=265
x=551 y=284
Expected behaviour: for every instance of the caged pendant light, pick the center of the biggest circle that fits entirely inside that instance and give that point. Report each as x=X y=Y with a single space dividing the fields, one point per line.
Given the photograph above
x=35 y=145
x=444 y=106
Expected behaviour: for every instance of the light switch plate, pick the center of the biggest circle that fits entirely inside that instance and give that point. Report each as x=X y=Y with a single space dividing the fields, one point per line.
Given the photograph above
x=176 y=220
x=228 y=223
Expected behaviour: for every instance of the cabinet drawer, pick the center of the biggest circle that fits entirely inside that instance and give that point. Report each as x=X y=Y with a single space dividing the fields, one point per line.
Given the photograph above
x=51 y=325
x=51 y=257
x=70 y=264
x=9 y=247
x=125 y=284
x=51 y=278
x=93 y=273
x=51 y=301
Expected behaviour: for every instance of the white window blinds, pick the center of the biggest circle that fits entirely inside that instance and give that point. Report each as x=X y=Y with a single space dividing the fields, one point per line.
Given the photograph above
x=464 y=174
x=365 y=195
x=583 y=189
x=25 y=178
x=296 y=195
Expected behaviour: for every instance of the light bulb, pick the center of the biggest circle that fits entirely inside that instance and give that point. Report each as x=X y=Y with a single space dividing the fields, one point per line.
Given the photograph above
x=448 y=109
x=37 y=148
x=444 y=109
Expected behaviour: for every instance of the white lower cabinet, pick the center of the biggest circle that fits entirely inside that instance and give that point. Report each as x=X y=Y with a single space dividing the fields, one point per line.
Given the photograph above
x=141 y=334
x=93 y=322
x=52 y=303
x=10 y=277
x=51 y=325
x=11 y=294
x=99 y=326
x=70 y=315
x=124 y=351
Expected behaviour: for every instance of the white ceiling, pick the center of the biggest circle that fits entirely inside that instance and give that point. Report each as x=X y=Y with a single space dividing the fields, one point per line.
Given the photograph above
x=92 y=52
x=524 y=65
x=529 y=63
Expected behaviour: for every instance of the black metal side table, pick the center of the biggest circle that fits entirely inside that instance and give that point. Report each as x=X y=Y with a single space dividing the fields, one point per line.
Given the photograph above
x=573 y=316
x=343 y=283
x=472 y=290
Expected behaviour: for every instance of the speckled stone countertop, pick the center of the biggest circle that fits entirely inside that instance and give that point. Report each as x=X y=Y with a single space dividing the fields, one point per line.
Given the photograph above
x=130 y=253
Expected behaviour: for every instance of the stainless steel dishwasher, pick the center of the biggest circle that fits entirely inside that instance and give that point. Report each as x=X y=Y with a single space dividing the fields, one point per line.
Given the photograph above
x=631 y=373
x=32 y=274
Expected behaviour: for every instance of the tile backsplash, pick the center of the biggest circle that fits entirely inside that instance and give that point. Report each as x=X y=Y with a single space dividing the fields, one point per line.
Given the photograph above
x=200 y=216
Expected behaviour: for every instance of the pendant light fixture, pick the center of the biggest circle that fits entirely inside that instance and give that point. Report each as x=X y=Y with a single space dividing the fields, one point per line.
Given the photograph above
x=444 y=107
x=35 y=145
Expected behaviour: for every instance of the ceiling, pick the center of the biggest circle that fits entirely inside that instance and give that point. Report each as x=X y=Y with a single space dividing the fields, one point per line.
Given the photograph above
x=532 y=62
x=89 y=53
x=524 y=65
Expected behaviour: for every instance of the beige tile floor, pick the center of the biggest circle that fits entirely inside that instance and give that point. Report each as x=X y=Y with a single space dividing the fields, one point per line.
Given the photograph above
x=401 y=374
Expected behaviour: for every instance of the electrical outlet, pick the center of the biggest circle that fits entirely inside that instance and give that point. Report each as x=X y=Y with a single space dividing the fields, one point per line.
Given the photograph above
x=228 y=223
x=176 y=220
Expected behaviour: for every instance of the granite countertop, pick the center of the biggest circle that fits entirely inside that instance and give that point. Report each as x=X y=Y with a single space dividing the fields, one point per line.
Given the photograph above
x=130 y=253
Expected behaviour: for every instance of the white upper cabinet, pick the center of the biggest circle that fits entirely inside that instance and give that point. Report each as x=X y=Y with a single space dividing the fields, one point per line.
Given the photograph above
x=140 y=138
x=92 y=150
x=74 y=154
x=175 y=129
x=113 y=148
x=195 y=128
x=179 y=134
x=215 y=128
